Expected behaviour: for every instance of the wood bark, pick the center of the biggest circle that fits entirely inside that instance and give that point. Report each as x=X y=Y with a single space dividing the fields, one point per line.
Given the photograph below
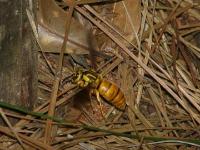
x=18 y=55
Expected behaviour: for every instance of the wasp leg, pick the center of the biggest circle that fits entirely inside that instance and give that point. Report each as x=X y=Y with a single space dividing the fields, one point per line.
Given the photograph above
x=99 y=100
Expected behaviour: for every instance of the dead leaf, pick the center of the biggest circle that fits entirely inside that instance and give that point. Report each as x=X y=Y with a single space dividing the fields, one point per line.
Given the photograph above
x=51 y=27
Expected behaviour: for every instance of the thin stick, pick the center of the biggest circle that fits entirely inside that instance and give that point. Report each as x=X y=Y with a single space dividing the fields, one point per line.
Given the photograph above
x=28 y=140
x=32 y=141
x=171 y=15
x=58 y=76
x=145 y=67
x=34 y=28
x=11 y=128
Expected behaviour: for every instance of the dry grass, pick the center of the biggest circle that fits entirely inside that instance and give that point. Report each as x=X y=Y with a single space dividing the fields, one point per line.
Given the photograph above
x=154 y=59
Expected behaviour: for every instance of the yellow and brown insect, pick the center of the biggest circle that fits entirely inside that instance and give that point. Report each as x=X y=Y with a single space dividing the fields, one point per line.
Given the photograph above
x=101 y=87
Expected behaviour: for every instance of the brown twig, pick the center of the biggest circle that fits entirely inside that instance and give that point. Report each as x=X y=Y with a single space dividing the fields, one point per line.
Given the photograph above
x=171 y=16
x=58 y=76
x=12 y=129
x=28 y=140
x=145 y=67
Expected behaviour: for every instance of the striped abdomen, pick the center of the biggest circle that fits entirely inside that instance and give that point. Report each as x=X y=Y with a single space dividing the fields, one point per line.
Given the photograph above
x=112 y=94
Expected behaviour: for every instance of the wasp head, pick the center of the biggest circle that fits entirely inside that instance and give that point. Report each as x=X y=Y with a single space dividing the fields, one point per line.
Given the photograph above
x=83 y=78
